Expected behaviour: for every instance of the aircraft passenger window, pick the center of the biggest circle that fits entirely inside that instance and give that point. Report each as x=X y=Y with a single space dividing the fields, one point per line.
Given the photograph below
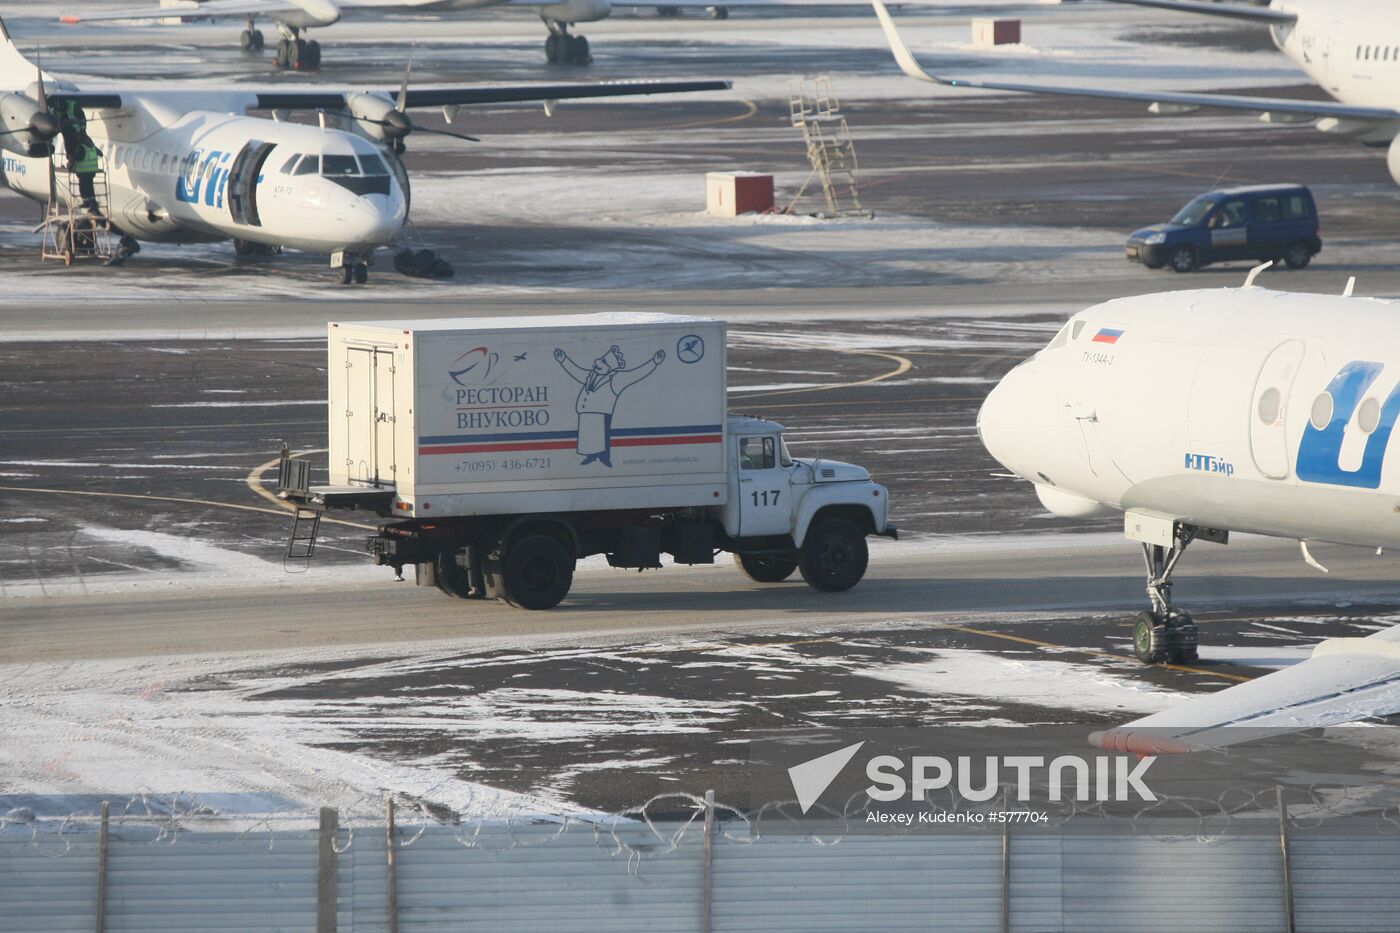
x=1368 y=416
x=1270 y=404
x=290 y=164
x=1268 y=211
x=1321 y=411
x=333 y=165
x=373 y=165
x=310 y=165
x=756 y=453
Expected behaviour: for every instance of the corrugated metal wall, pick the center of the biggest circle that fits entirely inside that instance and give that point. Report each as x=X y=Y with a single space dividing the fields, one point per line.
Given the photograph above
x=533 y=878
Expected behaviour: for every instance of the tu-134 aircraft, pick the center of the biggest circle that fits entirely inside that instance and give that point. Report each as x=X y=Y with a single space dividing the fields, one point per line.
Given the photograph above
x=1201 y=413
x=293 y=17
x=1351 y=48
x=191 y=166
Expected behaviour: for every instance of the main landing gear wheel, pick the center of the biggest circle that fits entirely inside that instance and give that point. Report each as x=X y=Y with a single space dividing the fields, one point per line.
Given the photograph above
x=834 y=556
x=252 y=40
x=767 y=568
x=560 y=48
x=536 y=572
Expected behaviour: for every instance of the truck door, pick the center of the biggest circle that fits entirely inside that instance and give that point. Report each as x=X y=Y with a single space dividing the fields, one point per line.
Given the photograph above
x=1268 y=415
x=765 y=493
x=370 y=415
x=243 y=182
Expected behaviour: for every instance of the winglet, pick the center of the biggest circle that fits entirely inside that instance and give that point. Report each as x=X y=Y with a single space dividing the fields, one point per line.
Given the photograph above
x=907 y=62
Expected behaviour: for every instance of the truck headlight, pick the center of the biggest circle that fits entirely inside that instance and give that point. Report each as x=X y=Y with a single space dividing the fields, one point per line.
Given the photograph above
x=1156 y=239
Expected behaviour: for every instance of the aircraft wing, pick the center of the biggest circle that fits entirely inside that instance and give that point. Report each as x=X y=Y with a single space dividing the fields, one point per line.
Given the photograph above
x=1345 y=680
x=1308 y=108
x=484 y=94
x=1258 y=14
x=209 y=9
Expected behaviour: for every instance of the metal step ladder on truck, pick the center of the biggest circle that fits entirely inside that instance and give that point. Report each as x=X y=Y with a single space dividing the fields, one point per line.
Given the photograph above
x=501 y=451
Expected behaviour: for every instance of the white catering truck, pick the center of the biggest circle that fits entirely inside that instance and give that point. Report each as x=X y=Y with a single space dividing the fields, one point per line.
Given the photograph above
x=499 y=451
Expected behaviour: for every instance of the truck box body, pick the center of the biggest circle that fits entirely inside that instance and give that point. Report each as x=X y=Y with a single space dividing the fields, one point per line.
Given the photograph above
x=500 y=416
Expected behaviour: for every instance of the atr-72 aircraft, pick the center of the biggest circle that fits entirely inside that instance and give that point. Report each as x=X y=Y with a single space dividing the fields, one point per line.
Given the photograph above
x=294 y=16
x=1349 y=47
x=1200 y=413
x=191 y=166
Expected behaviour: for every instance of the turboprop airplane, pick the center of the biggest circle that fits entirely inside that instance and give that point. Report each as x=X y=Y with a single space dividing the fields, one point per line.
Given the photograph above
x=190 y=166
x=1201 y=413
x=292 y=17
x=1351 y=48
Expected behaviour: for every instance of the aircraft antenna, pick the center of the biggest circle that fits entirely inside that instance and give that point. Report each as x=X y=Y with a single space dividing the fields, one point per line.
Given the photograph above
x=1254 y=273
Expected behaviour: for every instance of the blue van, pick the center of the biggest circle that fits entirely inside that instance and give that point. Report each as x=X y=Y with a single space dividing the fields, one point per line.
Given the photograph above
x=1257 y=223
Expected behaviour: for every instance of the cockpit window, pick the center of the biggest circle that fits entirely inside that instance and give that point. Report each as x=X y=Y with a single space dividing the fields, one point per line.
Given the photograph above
x=290 y=164
x=1060 y=340
x=373 y=165
x=310 y=165
x=333 y=165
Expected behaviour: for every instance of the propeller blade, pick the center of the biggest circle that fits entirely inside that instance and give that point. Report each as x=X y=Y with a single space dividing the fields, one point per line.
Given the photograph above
x=463 y=136
x=403 y=86
x=43 y=100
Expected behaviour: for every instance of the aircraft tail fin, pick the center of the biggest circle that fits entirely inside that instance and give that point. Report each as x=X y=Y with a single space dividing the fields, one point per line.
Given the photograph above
x=16 y=71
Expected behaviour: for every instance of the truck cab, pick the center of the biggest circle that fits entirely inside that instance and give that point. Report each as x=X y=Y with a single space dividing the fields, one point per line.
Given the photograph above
x=786 y=513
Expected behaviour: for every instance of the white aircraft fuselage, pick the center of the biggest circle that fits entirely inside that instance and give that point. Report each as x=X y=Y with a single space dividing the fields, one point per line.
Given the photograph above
x=173 y=176
x=1351 y=48
x=1236 y=409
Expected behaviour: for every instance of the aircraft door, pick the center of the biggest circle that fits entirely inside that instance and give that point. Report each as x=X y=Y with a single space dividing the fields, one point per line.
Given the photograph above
x=1329 y=48
x=243 y=182
x=1268 y=410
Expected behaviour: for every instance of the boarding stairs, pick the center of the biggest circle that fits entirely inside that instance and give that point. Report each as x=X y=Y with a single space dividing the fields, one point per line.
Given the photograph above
x=71 y=231
x=814 y=108
x=295 y=474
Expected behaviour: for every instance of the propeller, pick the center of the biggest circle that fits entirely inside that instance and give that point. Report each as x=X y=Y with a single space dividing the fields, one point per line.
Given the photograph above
x=396 y=122
x=43 y=124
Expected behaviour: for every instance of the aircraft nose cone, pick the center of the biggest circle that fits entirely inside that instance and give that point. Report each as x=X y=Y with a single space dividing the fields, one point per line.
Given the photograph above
x=1000 y=418
x=374 y=219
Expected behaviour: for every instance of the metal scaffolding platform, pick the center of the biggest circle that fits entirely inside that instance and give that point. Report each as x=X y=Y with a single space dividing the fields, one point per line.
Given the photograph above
x=814 y=108
x=73 y=230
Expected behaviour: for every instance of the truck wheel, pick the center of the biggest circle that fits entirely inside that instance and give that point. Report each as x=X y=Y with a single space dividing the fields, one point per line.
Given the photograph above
x=537 y=572
x=766 y=568
x=1297 y=255
x=834 y=556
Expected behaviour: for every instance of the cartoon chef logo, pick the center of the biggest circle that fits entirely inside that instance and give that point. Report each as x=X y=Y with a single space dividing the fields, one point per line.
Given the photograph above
x=473 y=367
x=602 y=384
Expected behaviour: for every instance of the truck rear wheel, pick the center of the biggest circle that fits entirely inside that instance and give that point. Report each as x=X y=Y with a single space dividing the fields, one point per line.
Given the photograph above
x=767 y=568
x=537 y=572
x=834 y=556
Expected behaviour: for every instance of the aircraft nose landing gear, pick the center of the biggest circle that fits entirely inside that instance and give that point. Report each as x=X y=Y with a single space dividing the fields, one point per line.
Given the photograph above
x=353 y=267
x=1164 y=633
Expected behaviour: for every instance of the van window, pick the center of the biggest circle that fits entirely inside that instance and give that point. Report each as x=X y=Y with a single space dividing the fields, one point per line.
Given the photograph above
x=1230 y=215
x=1295 y=207
x=1193 y=213
x=1267 y=211
x=756 y=453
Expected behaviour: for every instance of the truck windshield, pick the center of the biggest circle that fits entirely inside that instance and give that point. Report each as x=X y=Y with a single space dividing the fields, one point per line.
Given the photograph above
x=1193 y=213
x=784 y=457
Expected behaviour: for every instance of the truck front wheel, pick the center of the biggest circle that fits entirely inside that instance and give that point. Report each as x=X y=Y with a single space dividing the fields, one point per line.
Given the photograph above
x=766 y=568
x=834 y=556
x=537 y=572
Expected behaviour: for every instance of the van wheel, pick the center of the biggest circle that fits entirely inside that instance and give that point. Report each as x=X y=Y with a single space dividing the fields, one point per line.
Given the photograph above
x=1297 y=255
x=537 y=572
x=834 y=556
x=767 y=568
x=1183 y=259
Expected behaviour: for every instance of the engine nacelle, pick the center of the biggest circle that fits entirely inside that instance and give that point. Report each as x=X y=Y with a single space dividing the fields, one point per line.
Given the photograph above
x=1392 y=159
x=377 y=118
x=578 y=11
x=1068 y=505
x=27 y=127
